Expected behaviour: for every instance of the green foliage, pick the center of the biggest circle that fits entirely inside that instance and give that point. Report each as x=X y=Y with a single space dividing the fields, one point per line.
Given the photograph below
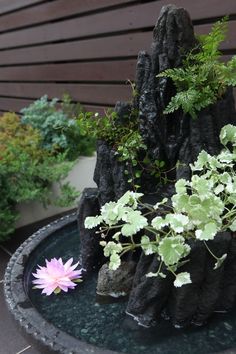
x=108 y=127
x=203 y=79
x=57 y=125
x=201 y=207
x=125 y=138
x=27 y=171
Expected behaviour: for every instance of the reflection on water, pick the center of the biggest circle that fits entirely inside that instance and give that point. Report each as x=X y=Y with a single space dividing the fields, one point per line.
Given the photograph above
x=83 y=315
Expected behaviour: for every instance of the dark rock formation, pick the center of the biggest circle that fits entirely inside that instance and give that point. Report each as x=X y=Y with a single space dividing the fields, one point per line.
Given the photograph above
x=149 y=295
x=91 y=252
x=172 y=138
x=117 y=282
x=196 y=302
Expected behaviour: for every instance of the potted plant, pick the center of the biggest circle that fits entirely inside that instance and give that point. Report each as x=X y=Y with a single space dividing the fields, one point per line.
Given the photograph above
x=175 y=225
x=43 y=137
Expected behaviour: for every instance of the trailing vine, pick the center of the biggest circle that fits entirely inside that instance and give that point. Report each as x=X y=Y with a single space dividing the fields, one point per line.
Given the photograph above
x=126 y=140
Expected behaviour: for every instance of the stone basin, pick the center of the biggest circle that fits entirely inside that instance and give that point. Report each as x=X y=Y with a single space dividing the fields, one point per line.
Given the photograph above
x=79 y=323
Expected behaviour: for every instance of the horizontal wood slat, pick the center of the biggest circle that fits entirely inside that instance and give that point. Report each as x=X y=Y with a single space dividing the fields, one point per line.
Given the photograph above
x=54 y=11
x=102 y=23
x=133 y=18
x=16 y=104
x=13 y=104
x=11 y=5
x=100 y=94
x=111 y=47
x=112 y=71
x=107 y=47
x=93 y=71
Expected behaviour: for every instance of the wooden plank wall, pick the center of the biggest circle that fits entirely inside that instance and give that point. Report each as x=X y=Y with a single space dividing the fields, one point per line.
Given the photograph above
x=87 y=48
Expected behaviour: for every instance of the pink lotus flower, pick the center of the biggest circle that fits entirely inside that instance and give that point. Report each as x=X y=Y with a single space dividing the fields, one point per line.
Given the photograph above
x=57 y=276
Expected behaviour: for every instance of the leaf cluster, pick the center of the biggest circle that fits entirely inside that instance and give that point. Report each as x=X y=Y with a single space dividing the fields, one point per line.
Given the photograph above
x=124 y=137
x=57 y=125
x=200 y=208
x=27 y=170
x=203 y=78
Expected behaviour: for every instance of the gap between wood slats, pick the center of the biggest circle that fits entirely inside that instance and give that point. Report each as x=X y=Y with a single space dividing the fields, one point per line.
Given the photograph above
x=56 y=11
x=100 y=94
x=16 y=104
x=127 y=45
x=14 y=5
x=133 y=18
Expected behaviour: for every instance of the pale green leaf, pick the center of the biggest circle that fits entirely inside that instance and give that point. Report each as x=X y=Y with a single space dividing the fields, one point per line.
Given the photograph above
x=228 y=134
x=148 y=246
x=164 y=200
x=201 y=161
x=130 y=198
x=172 y=249
x=158 y=223
x=218 y=189
x=135 y=222
x=178 y=222
x=111 y=248
x=115 y=261
x=182 y=279
x=220 y=261
x=181 y=186
x=207 y=233
x=151 y=275
x=92 y=221
x=232 y=227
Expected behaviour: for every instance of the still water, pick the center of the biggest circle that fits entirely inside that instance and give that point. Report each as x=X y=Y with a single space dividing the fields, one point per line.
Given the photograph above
x=105 y=325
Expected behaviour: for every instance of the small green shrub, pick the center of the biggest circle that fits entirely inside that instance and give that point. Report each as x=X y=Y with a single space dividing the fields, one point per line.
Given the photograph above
x=27 y=171
x=57 y=125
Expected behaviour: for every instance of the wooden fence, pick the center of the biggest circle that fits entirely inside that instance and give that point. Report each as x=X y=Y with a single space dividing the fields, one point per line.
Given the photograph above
x=87 y=48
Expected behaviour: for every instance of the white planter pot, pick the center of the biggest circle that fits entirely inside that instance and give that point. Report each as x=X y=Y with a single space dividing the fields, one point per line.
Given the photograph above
x=81 y=176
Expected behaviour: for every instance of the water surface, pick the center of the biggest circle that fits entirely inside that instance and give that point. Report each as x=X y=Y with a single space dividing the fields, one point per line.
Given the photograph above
x=105 y=325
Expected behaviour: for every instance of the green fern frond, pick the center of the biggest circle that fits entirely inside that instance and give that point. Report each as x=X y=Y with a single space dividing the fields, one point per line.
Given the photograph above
x=203 y=78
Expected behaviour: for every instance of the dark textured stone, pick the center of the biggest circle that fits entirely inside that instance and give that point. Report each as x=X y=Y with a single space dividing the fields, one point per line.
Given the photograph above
x=117 y=282
x=183 y=302
x=109 y=172
x=149 y=295
x=203 y=132
x=196 y=301
x=228 y=286
x=213 y=278
x=173 y=37
x=91 y=252
x=173 y=138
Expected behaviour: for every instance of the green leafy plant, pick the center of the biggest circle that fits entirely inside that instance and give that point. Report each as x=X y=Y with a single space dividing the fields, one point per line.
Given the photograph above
x=57 y=125
x=201 y=207
x=27 y=171
x=203 y=78
x=126 y=140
